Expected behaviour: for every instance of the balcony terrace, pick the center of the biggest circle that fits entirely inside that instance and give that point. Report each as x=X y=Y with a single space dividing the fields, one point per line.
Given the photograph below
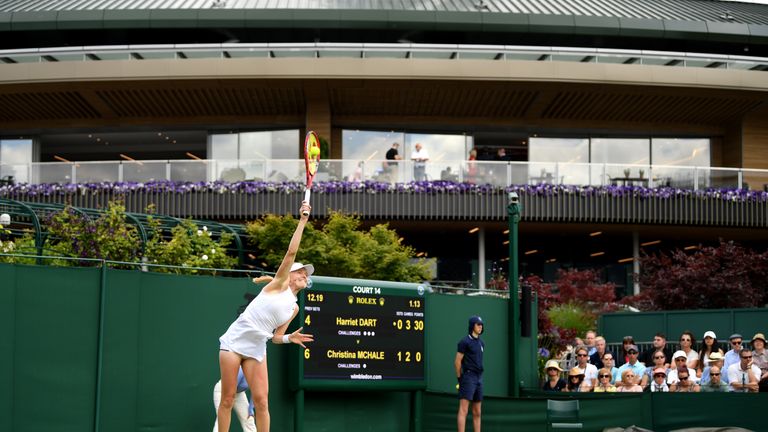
x=453 y=190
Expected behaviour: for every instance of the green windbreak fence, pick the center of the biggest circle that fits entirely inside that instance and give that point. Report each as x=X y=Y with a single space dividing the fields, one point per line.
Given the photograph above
x=643 y=326
x=118 y=350
x=92 y=349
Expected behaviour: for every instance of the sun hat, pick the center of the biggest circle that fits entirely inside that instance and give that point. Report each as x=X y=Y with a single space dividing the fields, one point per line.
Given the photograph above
x=758 y=336
x=308 y=267
x=710 y=333
x=679 y=353
x=735 y=336
x=552 y=364
x=715 y=356
x=575 y=372
x=659 y=370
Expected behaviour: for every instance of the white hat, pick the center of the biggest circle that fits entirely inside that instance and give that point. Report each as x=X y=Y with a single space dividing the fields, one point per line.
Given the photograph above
x=678 y=354
x=308 y=267
x=711 y=334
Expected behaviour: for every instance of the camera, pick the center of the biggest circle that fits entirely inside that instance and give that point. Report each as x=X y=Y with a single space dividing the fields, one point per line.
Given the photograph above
x=514 y=198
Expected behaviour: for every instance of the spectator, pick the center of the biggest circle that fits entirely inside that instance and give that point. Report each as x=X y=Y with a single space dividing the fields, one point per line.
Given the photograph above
x=715 y=359
x=472 y=166
x=680 y=360
x=501 y=155
x=637 y=368
x=609 y=363
x=759 y=359
x=554 y=382
x=732 y=356
x=709 y=345
x=629 y=382
x=393 y=156
x=419 y=157
x=589 y=370
x=686 y=345
x=743 y=376
x=623 y=355
x=684 y=381
x=604 y=385
x=715 y=383
x=576 y=381
x=659 y=362
x=659 y=344
x=600 y=349
x=590 y=337
x=659 y=382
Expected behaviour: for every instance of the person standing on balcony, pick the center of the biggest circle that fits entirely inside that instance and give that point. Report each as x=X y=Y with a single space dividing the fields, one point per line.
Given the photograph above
x=469 y=372
x=393 y=155
x=267 y=317
x=419 y=157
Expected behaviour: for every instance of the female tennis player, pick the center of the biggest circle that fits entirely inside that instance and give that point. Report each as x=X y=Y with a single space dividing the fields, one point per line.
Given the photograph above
x=266 y=317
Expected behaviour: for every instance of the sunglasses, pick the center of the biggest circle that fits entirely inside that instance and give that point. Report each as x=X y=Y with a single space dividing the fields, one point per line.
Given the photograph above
x=685 y=340
x=582 y=355
x=576 y=376
x=746 y=357
x=658 y=357
x=683 y=378
x=605 y=376
x=735 y=343
x=658 y=375
x=714 y=374
x=680 y=359
x=631 y=352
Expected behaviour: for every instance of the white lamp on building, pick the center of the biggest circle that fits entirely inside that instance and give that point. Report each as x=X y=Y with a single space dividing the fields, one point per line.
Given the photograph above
x=5 y=219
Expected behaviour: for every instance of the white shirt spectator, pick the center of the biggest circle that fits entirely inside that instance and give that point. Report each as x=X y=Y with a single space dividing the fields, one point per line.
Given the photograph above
x=590 y=374
x=672 y=376
x=739 y=376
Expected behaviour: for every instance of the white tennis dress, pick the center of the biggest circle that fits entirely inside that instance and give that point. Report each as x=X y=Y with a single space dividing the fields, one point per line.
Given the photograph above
x=249 y=333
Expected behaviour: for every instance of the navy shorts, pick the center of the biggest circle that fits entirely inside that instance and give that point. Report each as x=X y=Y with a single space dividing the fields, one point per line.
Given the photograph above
x=471 y=387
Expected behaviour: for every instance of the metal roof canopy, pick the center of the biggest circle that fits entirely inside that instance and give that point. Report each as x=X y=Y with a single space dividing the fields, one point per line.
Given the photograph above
x=28 y=217
x=707 y=19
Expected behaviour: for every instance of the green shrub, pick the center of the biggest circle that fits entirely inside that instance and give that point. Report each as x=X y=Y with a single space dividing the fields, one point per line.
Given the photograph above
x=572 y=316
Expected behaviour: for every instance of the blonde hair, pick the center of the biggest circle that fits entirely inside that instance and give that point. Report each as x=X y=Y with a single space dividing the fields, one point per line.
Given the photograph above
x=262 y=279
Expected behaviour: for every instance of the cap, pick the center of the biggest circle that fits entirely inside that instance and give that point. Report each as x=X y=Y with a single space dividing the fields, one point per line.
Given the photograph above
x=632 y=347
x=575 y=372
x=552 y=364
x=308 y=267
x=678 y=354
x=710 y=333
x=475 y=320
x=758 y=336
x=735 y=336
x=714 y=357
x=659 y=370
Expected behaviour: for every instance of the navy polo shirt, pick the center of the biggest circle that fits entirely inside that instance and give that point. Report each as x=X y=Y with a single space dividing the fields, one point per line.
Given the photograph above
x=473 y=354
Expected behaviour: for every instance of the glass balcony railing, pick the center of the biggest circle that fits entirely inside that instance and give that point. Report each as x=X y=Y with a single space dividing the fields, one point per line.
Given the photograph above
x=478 y=172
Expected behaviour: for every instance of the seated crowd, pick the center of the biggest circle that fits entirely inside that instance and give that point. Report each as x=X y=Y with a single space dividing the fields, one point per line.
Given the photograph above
x=659 y=369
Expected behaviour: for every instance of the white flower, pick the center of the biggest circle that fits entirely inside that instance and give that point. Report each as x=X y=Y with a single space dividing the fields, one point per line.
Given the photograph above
x=213 y=251
x=205 y=257
x=205 y=228
x=199 y=232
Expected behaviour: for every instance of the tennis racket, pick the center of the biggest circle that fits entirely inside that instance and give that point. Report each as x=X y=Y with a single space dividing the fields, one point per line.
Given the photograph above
x=311 y=160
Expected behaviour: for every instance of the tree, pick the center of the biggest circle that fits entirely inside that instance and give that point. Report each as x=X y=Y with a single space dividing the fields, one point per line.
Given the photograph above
x=726 y=276
x=340 y=248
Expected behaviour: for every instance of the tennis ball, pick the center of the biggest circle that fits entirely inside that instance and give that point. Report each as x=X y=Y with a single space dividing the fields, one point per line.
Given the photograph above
x=314 y=152
x=457 y=386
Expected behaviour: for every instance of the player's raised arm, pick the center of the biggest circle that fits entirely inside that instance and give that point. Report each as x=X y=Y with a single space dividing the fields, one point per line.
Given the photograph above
x=280 y=281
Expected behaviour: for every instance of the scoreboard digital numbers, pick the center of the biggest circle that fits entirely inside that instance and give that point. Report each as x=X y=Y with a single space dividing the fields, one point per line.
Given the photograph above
x=368 y=334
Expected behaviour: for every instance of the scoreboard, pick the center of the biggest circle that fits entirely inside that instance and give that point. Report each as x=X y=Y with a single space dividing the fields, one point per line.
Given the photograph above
x=368 y=335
